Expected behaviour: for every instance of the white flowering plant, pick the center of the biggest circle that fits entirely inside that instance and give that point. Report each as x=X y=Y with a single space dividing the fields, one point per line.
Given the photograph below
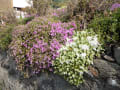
x=76 y=56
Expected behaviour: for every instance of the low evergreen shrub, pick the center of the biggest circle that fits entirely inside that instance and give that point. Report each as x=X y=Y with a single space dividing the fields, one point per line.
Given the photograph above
x=107 y=27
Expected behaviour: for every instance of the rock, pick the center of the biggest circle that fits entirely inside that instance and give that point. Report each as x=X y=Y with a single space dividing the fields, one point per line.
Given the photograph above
x=109 y=87
x=104 y=68
x=112 y=82
x=117 y=54
x=2 y=55
x=88 y=74
x=109 y=58
x=93 y=71
x=108 y=50
x=11 y=79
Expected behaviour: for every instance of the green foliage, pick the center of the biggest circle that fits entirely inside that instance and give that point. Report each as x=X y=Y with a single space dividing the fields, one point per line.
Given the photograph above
x=5 y=36
x=116 y=15
x=107 y=27
x=76 y=56
x=25 y=20
x=59 y=3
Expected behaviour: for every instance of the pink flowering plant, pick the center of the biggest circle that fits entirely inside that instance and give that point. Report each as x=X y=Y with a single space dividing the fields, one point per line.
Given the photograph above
x=35 y=45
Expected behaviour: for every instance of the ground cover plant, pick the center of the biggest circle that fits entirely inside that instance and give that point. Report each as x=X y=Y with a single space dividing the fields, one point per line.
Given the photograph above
x=35 y=45
x=76 y=56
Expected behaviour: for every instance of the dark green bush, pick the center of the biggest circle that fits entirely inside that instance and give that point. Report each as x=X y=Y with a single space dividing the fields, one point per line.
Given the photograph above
x=108 y=28
x=5 y=36
x=116 y=15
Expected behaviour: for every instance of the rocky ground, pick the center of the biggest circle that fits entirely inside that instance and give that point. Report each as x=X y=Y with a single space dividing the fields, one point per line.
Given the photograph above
x=102 y=75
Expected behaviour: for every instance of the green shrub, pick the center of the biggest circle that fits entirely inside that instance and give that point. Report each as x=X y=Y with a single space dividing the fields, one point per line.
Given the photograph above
x=106 y=28
x=116 y=14
x=59 y=3
x=5 y=36
x=76 y=56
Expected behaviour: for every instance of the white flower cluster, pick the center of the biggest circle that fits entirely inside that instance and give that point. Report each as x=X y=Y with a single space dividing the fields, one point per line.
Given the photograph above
x=93 y=41
x=76 y=56
x=84 y=47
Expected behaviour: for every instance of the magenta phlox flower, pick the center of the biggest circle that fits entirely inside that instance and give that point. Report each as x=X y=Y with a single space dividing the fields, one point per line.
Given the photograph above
x=35 y=46
x=35 y=32
x=55 y=45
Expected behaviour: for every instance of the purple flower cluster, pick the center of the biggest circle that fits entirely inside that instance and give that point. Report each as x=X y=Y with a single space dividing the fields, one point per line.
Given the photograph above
x=115 y=6
x=59 y=29
x=54 y=47
x=37 y=46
